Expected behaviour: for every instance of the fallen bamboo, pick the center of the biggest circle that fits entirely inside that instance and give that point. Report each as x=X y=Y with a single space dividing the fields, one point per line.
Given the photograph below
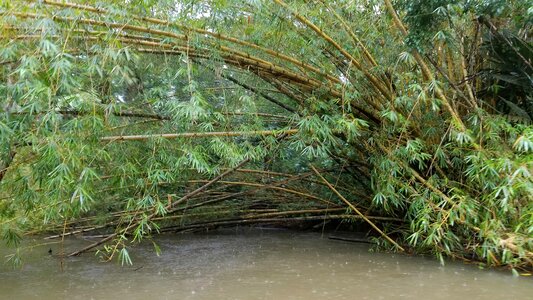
x=170 y=208
x=74 y=232
x=252 y=214
x=239 y=194
x=266 y=186
x=182 y=199
x=232 y=222
x=225 y=195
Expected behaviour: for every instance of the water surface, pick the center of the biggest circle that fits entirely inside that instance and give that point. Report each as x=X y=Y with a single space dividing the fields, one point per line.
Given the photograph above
x=254 y=264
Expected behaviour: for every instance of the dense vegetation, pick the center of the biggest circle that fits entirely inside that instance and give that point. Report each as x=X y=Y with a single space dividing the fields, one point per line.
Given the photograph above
x=145 y=116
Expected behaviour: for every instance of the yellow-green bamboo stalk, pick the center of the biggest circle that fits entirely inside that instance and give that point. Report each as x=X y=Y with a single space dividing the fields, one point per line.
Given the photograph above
x=356 y=210
x=376 y=83
x=197 y=135
x=204 y=32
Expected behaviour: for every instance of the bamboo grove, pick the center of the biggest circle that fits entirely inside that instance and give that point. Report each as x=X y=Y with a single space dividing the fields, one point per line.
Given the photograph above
x=134 y=118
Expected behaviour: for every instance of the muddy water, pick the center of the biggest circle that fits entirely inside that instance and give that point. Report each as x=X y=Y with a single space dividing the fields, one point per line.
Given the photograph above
x=254 y=264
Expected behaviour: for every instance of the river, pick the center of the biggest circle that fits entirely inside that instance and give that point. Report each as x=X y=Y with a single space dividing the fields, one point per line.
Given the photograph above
x=253 y=264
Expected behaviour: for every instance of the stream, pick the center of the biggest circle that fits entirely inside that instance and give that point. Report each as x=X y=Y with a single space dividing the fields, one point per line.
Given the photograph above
x=252 y=264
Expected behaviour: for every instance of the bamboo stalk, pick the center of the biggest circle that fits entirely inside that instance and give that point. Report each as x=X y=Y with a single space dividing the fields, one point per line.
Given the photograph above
x=356 y=210
x=251 y=191
x=74 y=232
x=204 y=32
x=231 y=56
x=170 y=208
x=464 y=74
x=232 y=222
x=261 y=70
x=373 y=80
x=103 y=24
x=197 y=135
x=350 y=32
x=286 y=190
x=424 y=67
x=251 y=214
x=226 y=52
x=252 y=89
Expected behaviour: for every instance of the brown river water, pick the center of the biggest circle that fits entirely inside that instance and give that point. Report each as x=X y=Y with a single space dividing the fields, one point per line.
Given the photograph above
x=253 y=264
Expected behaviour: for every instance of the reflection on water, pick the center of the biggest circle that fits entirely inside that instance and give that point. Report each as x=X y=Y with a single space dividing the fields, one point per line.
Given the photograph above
x=254 y=264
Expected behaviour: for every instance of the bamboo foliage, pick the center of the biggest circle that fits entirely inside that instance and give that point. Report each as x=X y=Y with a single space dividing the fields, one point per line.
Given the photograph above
x=406 y=111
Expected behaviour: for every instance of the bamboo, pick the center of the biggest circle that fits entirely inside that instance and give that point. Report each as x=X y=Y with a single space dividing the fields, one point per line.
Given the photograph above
x=251 y=214
x=252 y=89
x=197 y=135
x=204 y=32
x=169 y=206
x=266 y=69
x=374 y=81
x=227 y=53
x=239 y=194
x=103 y=24
x=356 y=210
x=233 y=222
x=425 y=69
x=64 y=234
x=464 y=74
x=290 y=191
x=350 y=32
